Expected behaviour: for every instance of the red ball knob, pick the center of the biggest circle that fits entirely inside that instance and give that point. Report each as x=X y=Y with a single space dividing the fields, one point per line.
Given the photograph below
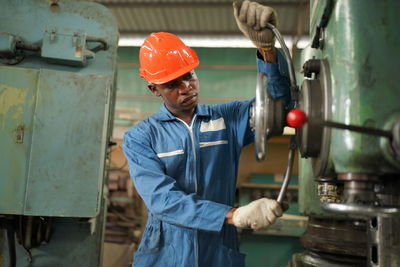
x=296 y=118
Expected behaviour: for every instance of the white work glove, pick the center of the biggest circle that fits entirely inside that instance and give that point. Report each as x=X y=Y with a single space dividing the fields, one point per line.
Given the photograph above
x=252 y=19
x=257 y=214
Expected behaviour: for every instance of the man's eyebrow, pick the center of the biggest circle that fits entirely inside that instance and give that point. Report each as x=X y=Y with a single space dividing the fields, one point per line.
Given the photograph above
x=190 y=73
x=173 y=81
x=168 y=83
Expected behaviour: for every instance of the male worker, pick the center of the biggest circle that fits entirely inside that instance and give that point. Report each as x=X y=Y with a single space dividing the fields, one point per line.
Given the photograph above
x=184 y=159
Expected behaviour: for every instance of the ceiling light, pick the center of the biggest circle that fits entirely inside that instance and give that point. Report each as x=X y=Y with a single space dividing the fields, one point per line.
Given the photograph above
x=210 y=41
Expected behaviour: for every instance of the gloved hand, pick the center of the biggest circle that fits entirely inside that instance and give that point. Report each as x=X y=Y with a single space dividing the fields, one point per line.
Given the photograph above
x=252 y=18
x=257 y=214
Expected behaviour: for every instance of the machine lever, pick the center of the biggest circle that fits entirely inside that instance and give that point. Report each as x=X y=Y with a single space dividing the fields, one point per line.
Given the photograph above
x=288 y=173
x=297 y=118
x=356 y=128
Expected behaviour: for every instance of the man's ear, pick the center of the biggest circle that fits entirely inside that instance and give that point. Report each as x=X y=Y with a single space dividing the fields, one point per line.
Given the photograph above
x=153 y=89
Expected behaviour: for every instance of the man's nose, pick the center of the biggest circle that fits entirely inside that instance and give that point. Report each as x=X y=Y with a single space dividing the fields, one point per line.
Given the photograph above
x=184 y=87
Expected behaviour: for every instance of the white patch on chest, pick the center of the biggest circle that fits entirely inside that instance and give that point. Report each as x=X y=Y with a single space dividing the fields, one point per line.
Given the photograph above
x=212 y=125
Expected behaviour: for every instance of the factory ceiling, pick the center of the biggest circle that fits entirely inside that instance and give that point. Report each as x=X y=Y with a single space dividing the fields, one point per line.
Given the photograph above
x=200 y=18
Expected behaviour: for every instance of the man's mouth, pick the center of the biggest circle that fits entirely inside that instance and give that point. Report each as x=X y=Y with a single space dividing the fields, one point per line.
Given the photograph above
x=189 y=98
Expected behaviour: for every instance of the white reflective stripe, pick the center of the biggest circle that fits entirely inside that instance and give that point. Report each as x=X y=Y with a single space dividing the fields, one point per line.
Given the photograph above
x=214 y=143
x=172 y=153
x=212 y=125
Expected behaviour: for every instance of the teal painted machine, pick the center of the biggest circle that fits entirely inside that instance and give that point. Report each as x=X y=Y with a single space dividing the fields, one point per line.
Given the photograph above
x=57 y=93
x=350 y=167
x=349 y=178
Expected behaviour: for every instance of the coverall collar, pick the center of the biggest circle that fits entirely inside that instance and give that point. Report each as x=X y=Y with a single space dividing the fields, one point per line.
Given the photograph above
x=165 y=115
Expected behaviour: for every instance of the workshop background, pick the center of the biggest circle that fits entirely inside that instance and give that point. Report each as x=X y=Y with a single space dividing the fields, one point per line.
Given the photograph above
x=70 y=88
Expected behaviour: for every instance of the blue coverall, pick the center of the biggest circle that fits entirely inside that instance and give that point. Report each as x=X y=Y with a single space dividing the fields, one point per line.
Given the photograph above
x=186 y=175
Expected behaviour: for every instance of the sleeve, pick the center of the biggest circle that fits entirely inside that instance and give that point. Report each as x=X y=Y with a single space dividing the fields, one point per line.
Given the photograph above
x=237 y=113
x=161 y=194
x=278 y=78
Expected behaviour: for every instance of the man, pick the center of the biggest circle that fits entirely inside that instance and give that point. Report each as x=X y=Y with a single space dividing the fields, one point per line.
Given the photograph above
x=184 y=159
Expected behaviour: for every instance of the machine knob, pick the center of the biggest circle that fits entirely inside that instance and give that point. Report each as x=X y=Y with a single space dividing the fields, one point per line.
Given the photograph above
x=296 y=118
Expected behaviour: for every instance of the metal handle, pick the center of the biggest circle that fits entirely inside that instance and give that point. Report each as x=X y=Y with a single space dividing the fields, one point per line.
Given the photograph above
x=293 y=85
x=293 y=93
x=259 y=123
x=289 y=168
x=361 y=210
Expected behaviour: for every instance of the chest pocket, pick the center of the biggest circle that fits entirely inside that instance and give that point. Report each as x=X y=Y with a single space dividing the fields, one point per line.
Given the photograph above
x=174 y=161
x=213 y=133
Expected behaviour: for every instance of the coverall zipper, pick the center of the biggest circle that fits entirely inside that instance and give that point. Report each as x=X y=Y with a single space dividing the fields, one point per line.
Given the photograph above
x=190 y=128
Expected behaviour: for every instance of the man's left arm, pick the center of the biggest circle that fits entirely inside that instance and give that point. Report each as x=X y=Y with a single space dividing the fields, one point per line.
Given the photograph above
x=274 y=65
x=252 y=19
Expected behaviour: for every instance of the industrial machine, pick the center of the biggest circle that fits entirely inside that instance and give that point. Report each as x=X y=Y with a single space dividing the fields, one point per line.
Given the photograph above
x=57 y=92
x=348 y=87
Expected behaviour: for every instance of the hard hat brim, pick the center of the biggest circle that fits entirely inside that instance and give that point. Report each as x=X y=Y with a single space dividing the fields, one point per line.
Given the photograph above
x=176 y=74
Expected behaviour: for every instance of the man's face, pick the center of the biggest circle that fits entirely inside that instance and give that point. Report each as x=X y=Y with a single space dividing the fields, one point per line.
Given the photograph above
x=180 y=95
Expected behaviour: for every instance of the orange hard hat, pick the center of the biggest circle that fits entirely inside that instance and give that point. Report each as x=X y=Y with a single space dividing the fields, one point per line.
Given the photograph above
x=164 y=57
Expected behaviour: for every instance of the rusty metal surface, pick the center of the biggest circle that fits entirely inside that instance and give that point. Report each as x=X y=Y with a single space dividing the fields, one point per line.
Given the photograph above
x=17 y=100
x=55 y=128
x=68 y=145
x=55 y=123
x=63 y=138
